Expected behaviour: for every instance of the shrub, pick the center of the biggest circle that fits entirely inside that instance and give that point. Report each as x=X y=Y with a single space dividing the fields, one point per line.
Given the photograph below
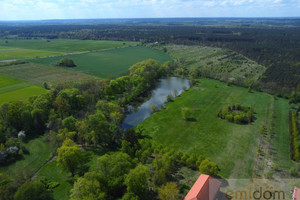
x=169 y=98
x=186 y=113
x=169 y=191
x=154 y=108
x=208 y=167
x=293 y=171
x=66 y=62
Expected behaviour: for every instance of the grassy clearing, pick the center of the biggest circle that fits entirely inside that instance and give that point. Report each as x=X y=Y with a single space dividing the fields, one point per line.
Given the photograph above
x=38 y=74
x=39 y=154
x=281 y=140
x=107 y=63
x=54 y=174
x=13 y=89
x=233 y=147
x=218 y=63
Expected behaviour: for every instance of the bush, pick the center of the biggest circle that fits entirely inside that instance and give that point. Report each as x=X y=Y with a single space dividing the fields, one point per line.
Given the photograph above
x=169 y=191
x=186 y=113
x=66 y=62
x=154 y=108
x=169 y=98
x=209 y=168
x=269 y=175
x=293 y=171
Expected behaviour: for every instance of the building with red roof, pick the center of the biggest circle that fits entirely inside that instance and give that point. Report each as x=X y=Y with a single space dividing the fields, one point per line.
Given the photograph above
x=296 y=193
x=205 y=188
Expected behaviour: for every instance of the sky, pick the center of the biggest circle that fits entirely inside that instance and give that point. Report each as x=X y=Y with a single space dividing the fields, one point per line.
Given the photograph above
x=85 y=9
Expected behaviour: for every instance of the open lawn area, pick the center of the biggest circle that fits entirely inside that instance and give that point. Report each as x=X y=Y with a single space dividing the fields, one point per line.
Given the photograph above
x=14 y=89
x=39 y=153
x=108 y=63
x=54 y=174
x=232 y=146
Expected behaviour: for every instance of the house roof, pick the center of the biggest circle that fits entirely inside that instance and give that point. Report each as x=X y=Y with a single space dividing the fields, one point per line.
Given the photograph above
x=296 y=193
x=205 y=188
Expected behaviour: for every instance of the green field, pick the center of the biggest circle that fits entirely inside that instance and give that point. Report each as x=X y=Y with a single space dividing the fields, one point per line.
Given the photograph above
x=14 y=89
x=65 y=45
x=233 y=147
x=107 y=63
x=39 y=154
x=38 y=74
x=8 y=53
x=22 y=49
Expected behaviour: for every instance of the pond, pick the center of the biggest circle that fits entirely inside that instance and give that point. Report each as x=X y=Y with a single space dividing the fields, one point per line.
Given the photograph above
x=164 y=87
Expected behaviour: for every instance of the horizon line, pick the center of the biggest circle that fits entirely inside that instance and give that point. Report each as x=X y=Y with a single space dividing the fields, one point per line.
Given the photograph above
x=124 y=18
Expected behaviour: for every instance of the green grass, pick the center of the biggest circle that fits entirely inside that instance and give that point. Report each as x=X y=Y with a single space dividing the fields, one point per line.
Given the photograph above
x=13 y=89
x=233 y=147
x=64 y=45
x=39 y=154
x=38 y=74
x=53 y=173
x=6 y=81
x=107 y=63
x=18 y=53
x=281 y=139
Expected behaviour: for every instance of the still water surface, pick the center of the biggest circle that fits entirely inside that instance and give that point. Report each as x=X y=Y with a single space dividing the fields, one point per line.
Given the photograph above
x=164 y=87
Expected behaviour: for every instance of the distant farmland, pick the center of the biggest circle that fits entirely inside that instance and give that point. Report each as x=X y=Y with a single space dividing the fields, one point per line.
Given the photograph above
x=106 y=63
x=22 y=49
x=39 y=74
x=13 y=89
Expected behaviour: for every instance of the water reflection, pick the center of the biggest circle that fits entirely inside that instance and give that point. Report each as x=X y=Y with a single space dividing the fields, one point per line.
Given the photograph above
x=165 y=87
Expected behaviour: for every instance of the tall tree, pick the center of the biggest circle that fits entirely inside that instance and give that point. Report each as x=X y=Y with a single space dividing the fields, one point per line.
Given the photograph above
x=137 y=181
x=70 y=158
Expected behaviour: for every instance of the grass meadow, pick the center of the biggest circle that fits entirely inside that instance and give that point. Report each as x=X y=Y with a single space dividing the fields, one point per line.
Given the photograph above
x=39 y=154
x=232 y=146
x=14 y=89
x=54 y=174
x=108 y=63
x=10 y=53
x=65 y=45
x=38 y=74
x=24 y=49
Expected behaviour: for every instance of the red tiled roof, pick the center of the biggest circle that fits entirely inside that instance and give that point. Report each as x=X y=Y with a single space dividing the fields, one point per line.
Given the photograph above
x=205 y=188
x=296 y=193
